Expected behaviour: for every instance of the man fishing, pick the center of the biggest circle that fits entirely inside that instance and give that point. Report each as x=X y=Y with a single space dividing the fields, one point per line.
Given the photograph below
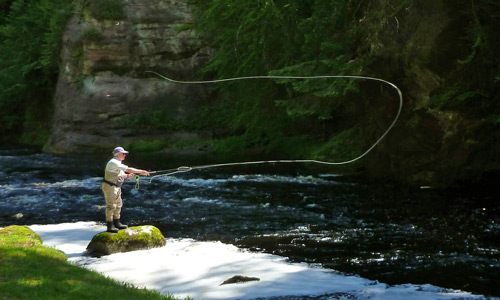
x=114 y=176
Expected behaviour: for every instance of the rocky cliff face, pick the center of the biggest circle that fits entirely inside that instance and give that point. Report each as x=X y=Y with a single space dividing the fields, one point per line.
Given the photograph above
x=103 y=85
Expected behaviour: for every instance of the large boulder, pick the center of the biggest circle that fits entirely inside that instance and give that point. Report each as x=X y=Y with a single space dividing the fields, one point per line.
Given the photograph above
x=130 y=239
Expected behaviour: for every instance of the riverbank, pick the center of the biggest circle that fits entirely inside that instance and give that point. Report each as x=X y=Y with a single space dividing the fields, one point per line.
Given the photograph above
x=186 y=267
x=30 y=270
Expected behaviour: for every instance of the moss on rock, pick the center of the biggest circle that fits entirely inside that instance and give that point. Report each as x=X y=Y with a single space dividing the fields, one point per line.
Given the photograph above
x=20 y=236
x=130 y=239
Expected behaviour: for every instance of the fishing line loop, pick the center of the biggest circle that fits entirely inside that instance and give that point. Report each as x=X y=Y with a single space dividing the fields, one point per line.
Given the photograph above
x=137 y=179
x=187 y=168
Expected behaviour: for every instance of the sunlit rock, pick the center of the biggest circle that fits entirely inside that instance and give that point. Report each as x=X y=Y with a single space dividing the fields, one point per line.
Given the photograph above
x=130 y=239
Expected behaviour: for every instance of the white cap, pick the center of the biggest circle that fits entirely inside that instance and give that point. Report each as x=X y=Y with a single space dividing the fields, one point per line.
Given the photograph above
x=119 y=150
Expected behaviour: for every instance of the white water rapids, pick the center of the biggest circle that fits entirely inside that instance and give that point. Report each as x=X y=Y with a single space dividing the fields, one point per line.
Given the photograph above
x=185 y=267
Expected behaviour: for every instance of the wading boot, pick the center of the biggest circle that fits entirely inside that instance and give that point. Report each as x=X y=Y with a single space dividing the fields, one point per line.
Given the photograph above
x=111 y=227
x=118 y=224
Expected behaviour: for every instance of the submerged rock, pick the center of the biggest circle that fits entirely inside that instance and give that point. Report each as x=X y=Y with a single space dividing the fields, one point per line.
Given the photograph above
x=130 y=239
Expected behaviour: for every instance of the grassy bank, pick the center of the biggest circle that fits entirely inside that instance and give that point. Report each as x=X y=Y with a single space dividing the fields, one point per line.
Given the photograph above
x=29 y=270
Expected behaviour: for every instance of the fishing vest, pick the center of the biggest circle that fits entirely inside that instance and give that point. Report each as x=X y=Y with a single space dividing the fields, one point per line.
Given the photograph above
x=113 y=174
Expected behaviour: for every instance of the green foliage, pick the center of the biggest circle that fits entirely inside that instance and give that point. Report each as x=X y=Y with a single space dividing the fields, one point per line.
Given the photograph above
x=318 y=97
x=279 y=38
x=107 y=9
x=36 y=136
x=344 y=146
x=442 y=98
x=191 y=142
x=30 y=41
x=478 y=36
x=92 y=35
x=231 y=144
x=495 y=118
x=472 y=87
x=185 y=27
x=311 y=38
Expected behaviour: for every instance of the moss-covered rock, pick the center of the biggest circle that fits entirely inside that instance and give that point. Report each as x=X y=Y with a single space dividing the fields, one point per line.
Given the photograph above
x=20 y=236
x=130 y=239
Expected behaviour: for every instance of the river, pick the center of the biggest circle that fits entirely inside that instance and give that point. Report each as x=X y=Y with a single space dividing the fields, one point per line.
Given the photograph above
x=449 y=238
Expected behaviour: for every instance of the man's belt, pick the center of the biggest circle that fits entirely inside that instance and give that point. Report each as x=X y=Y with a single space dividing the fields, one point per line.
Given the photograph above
x=110 y=183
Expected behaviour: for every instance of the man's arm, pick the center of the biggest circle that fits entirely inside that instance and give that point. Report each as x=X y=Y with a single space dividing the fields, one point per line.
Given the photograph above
x=131 y=171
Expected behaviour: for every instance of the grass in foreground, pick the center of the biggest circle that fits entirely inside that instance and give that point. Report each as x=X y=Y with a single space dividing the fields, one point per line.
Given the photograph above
x=29 y=270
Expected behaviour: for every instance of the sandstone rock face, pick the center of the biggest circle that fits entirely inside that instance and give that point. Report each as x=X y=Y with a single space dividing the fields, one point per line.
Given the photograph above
x=130 y=239
x=103 y=82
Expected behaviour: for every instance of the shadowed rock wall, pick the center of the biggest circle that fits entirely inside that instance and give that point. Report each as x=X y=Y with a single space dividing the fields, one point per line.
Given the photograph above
x=103 y=83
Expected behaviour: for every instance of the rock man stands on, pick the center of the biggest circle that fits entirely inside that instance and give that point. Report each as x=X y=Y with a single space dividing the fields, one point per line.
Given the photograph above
x=114 y=175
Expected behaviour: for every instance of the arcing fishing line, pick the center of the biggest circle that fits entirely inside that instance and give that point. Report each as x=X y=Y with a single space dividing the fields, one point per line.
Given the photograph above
x=187 y=169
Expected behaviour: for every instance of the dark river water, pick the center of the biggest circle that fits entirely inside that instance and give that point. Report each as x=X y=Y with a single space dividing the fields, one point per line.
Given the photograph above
x=449 y=238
